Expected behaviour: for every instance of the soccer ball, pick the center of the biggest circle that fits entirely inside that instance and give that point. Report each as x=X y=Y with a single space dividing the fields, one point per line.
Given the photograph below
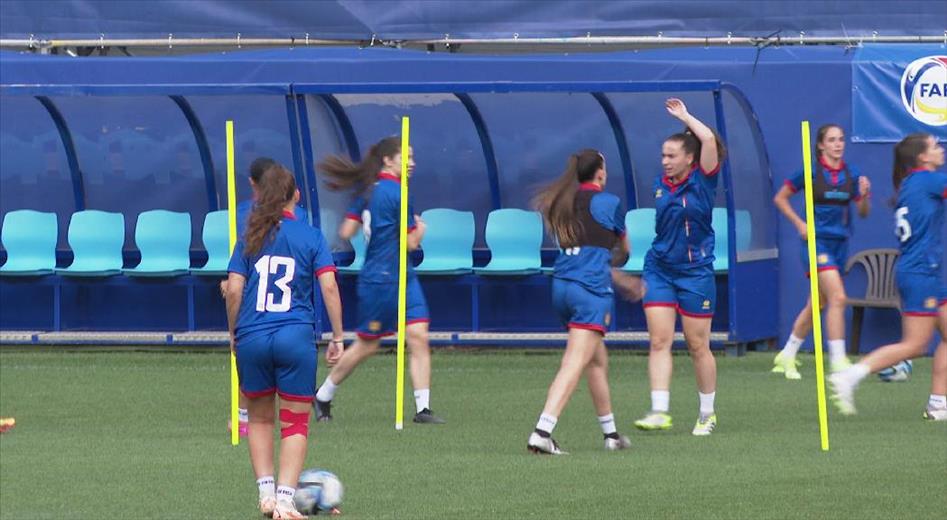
x=900 y=371
x=318 y=490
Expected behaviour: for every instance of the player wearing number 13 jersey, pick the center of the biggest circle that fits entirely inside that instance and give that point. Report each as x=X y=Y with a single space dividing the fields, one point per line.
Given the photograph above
x=919 y=220
x=271 y=319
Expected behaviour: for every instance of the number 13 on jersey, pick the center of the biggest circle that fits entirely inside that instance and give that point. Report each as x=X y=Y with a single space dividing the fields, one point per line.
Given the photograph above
x=266 y=300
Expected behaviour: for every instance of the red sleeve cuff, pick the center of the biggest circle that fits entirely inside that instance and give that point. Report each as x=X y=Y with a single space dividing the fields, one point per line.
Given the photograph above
x=711 y=173
x=858 y=198
x=622 y=235
x=944 y=195
x=326 y=269
x=353 y=216
x=790 y=185
x=412 y=228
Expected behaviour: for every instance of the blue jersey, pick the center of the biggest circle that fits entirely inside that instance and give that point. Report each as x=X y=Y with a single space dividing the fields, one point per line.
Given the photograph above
x=379 y=214
x=831 y=220
x=590 y=266
x=280 y=280
x=683 y=220
x=919 y=220
x=243 y=215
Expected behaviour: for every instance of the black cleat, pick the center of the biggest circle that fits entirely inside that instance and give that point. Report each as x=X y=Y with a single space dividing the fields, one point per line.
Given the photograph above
x=426 y=417
x=323 y=410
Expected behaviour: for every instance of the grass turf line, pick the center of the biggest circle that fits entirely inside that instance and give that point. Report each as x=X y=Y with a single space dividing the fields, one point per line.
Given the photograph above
x=144 y=434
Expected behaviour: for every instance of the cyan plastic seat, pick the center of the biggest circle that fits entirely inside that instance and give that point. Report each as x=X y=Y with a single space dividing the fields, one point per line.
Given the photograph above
x=744 y=230
x=164 y=239
x=358 y=247
x=744 y=233
x=216 y=237
x=515 y=238
x=96 y=238
x=639 y=226
x=30 y=240
x=448 y=242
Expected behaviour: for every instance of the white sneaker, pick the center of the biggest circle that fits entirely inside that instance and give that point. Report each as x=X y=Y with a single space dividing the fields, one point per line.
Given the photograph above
x=543 y=445
x=654 y=421
x=705 y=425
x=267 y=505
x=839 y=365
x=286 y=510
x=843 y=393
x=935 y=414
x=621 y=443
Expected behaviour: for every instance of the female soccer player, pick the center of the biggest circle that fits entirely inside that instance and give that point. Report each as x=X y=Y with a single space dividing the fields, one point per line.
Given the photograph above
x=835 y=185
x=919 y=221
x=588 y=224
x=271 y=318
x=376 y=211
x=678 y=270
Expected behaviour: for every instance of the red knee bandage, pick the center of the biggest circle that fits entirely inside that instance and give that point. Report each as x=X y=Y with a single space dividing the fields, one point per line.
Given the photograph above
x=298 y=423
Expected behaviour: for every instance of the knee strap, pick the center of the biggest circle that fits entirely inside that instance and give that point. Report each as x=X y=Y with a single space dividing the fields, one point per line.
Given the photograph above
x=298 y=423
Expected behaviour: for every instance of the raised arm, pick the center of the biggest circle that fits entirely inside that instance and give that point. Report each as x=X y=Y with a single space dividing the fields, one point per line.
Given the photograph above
x=708 y=159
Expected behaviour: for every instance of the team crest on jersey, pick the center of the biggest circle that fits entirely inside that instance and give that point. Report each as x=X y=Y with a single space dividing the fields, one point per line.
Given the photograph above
x=608 y=319
x=706 y=305
x=930 y=303
x=374 y=326
x=823 y=258
x=658 y=193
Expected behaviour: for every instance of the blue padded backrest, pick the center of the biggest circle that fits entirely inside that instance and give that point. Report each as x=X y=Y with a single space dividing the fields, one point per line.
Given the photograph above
x=639 y=226
x=358 y=247
x=216 y=238
x=30 y=240
x=449 y=238
x=164 y=239
x=721 y=239
x=514 y=237
x=744 y=230
x=96 y=238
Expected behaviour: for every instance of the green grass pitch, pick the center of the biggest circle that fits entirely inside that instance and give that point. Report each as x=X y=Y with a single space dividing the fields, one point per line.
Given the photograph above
x=143 y=435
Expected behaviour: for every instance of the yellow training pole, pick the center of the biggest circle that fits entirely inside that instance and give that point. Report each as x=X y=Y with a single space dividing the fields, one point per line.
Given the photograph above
x=232 y=221
x=814 y=288
x=402 y=275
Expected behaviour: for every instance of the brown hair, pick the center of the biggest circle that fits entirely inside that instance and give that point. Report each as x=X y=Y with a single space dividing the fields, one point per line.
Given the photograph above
x=556 y=201
x=820 y=135
x=905 y=156
x=344 y=174
x=275 y=190
x=692 y=145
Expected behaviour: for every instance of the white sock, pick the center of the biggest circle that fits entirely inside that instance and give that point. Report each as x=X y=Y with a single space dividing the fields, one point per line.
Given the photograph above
x=608 y=423
x=707 y=403
x=660 y=400
x=836 y=350
x=285 y=493
x=857 y=372
x=267 y=486
x=327 y=390
x=547 y=423
x=243 y=415
x=791 y=348
x=422 y=399
x=937 y=402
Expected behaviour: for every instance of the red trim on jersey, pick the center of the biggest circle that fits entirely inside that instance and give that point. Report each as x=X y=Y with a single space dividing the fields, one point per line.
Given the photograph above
x=824 y=268
x=711 y=173
x=289 y=215
x=326 y=269
x=589 y=186
x=944 y=195
x=353 y=216
x=695 y=314
x=586 y=326
x=372 y=337
x=297 y=398
x=389 y=176
x=412 y=228
x=792 y=187
x=660 y=304
x=622 y=235
x=417 y=320
x=261 y=393
x=835 y=171
x=942 y=302
x=675 y=185
x=921 y=314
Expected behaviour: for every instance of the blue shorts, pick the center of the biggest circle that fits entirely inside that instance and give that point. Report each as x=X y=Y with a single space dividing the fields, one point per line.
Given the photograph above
x=830 y=254
x=283 y=361
x=378 y=308
x=579 y=308
x=693 y=292
x=921 y=294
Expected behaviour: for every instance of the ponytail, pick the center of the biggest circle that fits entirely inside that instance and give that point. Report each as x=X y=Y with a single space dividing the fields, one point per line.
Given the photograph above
x=275 y=190
x=905 y=156
x=556 y=201
x=343 y=174
x=692 y=145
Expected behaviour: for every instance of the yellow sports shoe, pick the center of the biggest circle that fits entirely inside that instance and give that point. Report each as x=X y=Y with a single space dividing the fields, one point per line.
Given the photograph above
x=705 y=425
x=787 y=366
x=654 y=421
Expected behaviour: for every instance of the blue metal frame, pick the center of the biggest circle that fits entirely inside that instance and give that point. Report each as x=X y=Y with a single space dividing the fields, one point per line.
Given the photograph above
x=503 y=87
x=294 y=143
x=78 y=185
x=731 y=215
x=624 y=153
x=486 y=142
x=157 y=89
x=310 y=169
x=345 y=125
x=207 y=161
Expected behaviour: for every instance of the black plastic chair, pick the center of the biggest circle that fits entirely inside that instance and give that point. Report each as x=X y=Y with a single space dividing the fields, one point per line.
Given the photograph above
x=880 y=291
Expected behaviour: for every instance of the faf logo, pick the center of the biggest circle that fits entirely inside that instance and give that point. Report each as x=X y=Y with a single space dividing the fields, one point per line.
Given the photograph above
x=823 y=258
x=930 y=303
x=658 y=193
x=924 y=90
x=374 y=326
x=706 y=305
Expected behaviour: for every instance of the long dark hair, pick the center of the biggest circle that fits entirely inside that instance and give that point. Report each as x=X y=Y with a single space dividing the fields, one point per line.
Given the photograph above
x=820 y=135
x=692 y=145
x=258 y=166
x=556 y=201
x=275 y=190
x=344 y=174
x=905 y=156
